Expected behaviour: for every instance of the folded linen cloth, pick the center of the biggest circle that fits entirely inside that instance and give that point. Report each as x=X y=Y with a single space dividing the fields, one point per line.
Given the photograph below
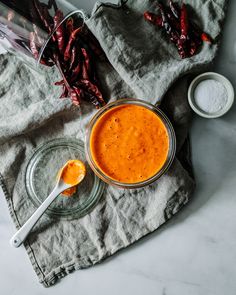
x=144 y=65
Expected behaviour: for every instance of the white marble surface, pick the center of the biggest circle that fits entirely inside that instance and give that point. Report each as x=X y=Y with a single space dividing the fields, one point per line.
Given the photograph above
x=193 y=254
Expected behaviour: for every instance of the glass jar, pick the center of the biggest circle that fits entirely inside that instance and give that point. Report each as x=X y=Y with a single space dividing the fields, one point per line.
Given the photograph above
x=165 y=121
x=29 y=27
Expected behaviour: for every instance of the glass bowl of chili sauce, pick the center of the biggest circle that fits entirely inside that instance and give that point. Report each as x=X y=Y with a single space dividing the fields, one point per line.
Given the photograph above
x=37 y=31
x=130 y=143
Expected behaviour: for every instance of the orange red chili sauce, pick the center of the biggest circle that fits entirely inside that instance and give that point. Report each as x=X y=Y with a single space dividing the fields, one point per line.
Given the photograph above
x=72 y=173
x=129 y=143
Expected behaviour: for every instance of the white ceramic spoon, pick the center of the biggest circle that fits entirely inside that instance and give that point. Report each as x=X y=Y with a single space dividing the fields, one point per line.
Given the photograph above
x=20 y=236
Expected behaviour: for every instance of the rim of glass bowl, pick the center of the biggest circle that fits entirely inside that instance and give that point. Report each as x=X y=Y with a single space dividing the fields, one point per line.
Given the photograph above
x=172 y=143
x=83 y=16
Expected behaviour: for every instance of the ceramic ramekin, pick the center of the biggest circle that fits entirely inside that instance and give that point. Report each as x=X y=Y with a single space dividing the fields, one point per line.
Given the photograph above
x=220 y=78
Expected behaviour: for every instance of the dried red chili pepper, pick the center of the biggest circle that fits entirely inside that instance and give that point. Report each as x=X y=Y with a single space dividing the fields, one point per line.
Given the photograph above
x=183 y=50
x=184 y=33
x=194 y=31
x=153 y=18
x=69 y=90
x=92 y=89
x=173 y=32
x=86 y=60
x=206 y=38
x=170 y=30
x=72 y=38
x=57 y=62
x=59 y=31
x=184 y=22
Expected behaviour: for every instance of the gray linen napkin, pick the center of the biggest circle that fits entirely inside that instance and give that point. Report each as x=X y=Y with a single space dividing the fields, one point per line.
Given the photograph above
x=144 y=65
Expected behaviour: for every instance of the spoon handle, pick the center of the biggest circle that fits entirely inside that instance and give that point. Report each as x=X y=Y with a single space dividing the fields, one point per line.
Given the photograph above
x=23 y=232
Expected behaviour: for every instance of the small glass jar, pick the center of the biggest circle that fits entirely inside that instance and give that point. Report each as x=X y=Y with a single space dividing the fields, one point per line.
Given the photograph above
x=28 y=27
x=171 y=136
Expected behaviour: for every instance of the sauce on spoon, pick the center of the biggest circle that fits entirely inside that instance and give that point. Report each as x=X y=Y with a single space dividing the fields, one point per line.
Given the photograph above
x=72 y=173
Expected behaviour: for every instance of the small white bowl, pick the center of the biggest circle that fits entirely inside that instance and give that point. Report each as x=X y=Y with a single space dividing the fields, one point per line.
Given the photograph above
x=217 y=77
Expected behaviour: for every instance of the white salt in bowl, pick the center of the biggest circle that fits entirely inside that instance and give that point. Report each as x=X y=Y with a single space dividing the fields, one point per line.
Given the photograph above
x=226 y=104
